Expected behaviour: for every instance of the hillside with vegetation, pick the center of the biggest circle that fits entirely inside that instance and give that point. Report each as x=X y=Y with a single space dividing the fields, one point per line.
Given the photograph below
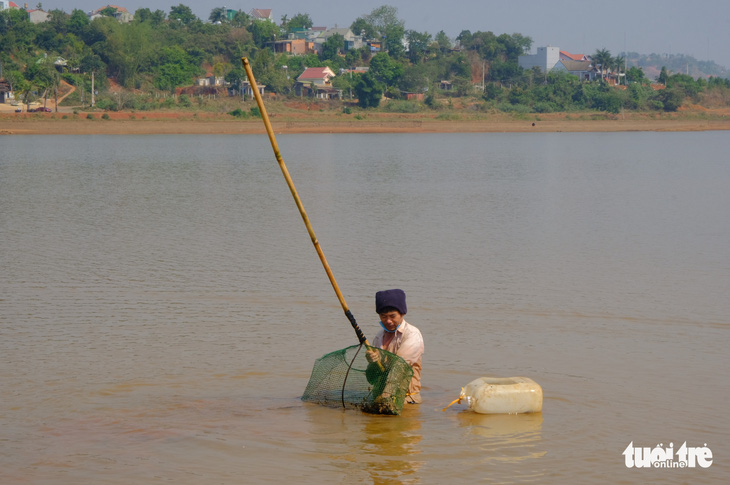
x=652 y=65
x=144 y=64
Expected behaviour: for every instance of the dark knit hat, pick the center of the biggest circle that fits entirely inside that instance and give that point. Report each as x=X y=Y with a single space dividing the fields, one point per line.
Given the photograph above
x=391 y=299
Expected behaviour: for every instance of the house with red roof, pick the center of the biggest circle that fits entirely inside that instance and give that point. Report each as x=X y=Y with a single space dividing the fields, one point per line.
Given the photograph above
x=120 y=13
x=567 y=56
x=261 y=14
x=6 y=4
x=316 y=75
x=315 y=81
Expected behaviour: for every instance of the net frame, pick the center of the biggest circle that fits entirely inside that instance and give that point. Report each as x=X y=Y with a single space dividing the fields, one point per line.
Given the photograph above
x=345 y=378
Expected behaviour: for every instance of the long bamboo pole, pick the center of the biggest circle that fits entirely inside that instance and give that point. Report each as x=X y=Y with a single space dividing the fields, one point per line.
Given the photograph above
x=290 y=183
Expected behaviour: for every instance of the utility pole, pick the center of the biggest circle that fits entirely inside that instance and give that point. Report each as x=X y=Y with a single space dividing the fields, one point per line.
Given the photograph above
x=483 y=65
x=92 y=89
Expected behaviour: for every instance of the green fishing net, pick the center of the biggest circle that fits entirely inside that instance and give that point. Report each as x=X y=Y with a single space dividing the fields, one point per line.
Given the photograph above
x=345 y=378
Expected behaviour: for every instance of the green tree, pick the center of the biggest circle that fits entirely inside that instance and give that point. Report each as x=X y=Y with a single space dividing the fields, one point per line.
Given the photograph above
x=368 y=90
x=362 y=27
x=605 y=98
x=519 y=95
x=385 y=69
x=523 y=43
x=263 y=65
x=602 y=59
x=146 y=15
x=507 y=72
x=48 y=39
x=358 y=57
x=16 y=32
x=78 y=22
x=418 y=43
x=16 y=80
x=383 y=18
x=57 y=20
x=511 y=46
x=11 y=18
x=663 y=76
x=618 y=64
x=43 y=74
x=671 y=98
x=92 y=63
x=458 y=66
x=235 y=77
x=345 y=83
x=127 y=51
x=218 y=14
x=555 y=93
x=333 y=46
x=393 y=40
x=73 y=51
x=639 y=95
x=443 y=42
x=175 y=67
x=465 y=38
x=415 y=79
x=687 y=84
x=492 y=92
x=299 y=21
x=490 y=47
x=269 y=72
x=636 y=75
x=22 y=89
x=241 y=19
x=183 y=14
x=263 y=32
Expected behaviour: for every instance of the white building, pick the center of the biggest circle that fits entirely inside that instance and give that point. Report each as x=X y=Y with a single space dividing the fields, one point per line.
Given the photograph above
x=121 y=13
x=352 y=41
x=545 y=59
x=583 y=69
x=37 y=16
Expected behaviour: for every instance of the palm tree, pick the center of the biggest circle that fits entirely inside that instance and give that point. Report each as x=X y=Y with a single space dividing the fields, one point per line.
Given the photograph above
x=241 y=19
x=218 y=15
x=619 y=64
x=602 y=58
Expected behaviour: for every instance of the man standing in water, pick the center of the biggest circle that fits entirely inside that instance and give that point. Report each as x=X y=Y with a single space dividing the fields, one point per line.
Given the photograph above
x=398 y=337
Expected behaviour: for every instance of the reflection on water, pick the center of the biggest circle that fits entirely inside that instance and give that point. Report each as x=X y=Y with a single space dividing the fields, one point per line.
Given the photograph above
x=393 y=446
x=505 y=437
x=161 y=304
x=378 y=449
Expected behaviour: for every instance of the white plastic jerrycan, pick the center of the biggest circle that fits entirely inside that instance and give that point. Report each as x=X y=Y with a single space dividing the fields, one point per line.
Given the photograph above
x=502 y=395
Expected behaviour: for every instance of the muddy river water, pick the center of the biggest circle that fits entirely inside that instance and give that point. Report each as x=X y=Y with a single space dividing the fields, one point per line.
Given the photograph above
x=161 y=305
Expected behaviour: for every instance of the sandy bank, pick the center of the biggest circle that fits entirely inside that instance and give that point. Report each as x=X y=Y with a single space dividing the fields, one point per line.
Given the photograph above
x=150 y=124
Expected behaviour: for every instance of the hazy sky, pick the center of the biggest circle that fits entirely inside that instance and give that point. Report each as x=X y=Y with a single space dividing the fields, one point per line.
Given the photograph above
x=700 y=28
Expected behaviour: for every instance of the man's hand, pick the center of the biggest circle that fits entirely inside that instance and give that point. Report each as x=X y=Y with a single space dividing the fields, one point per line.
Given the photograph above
x=372 y=355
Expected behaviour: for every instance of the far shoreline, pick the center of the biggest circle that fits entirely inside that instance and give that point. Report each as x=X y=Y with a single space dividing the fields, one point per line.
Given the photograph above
x=182 y=123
